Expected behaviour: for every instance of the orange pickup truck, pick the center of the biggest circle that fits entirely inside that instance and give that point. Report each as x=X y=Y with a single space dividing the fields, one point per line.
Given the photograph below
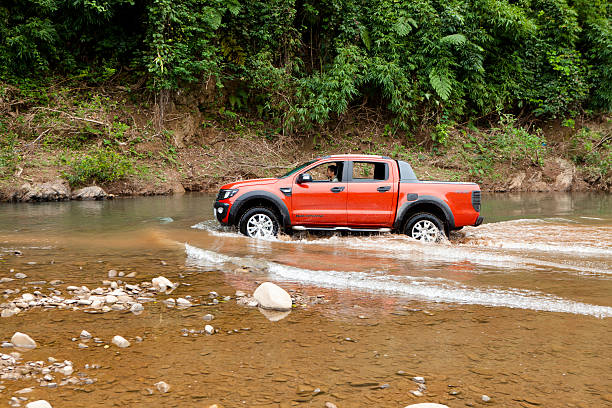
x=349 y=193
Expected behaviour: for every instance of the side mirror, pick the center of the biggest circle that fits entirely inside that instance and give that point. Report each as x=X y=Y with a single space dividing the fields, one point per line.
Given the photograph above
x=304 y=178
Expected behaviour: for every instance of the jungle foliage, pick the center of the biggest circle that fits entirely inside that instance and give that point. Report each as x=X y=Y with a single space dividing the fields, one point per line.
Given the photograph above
x=305 y=62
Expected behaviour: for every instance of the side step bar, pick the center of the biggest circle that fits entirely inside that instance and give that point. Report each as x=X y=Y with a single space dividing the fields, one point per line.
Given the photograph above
x=302 y=228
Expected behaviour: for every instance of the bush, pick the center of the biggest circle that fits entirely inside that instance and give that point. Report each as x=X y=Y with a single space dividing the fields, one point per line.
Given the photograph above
x=592 y=150
x=99 y=167
x=516 y=143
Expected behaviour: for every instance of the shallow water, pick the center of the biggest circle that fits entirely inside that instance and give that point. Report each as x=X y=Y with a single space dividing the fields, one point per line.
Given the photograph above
x=519 y=308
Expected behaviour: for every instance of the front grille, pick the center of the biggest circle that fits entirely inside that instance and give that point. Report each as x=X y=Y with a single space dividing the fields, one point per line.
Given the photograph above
x=476 y=200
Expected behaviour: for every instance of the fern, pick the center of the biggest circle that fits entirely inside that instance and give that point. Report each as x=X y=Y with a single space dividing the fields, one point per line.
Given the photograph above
x=365 y=37
x=441 y=84
x=454 y=39
x=402 y=27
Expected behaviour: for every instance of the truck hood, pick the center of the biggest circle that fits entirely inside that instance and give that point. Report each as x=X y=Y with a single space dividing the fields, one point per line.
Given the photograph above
x=253 y=182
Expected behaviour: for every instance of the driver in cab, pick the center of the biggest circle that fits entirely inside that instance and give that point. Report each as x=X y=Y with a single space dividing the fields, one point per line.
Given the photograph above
x=332 y=173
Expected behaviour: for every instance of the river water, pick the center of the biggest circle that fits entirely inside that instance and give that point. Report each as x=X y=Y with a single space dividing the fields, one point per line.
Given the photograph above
x=518 y=309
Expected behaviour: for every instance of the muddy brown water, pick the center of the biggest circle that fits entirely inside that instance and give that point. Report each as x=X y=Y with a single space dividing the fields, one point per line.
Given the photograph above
x=518 y=309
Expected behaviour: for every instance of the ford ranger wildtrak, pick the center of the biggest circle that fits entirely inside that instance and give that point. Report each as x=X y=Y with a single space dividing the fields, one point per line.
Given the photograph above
x=350 y=193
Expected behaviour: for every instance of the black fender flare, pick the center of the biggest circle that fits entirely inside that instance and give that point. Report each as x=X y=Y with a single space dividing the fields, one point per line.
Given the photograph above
x=259 y=195
x=430 y=200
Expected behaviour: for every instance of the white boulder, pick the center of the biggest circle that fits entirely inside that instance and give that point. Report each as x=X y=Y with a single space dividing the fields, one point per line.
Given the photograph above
x=120 y=342
x=39 y=404
x=162 y=284
x=23 y=340
x=271 y=296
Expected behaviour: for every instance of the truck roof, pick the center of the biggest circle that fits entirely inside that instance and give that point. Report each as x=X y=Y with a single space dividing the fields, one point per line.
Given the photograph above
x=355 y=156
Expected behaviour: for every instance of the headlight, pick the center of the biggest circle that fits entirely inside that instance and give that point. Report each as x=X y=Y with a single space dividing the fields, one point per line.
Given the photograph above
x=224 y=194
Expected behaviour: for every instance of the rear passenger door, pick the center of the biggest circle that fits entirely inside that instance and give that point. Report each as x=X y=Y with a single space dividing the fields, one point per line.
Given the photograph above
x=371 y=193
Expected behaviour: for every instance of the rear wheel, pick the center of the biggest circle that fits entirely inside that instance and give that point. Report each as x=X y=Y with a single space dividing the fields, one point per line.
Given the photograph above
x=259 y=222
x=424 y=227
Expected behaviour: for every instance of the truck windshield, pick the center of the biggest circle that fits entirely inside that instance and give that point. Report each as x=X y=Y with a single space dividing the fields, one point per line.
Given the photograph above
x=298 y=168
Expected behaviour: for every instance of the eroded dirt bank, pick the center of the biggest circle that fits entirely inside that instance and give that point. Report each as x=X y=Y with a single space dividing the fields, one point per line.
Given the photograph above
x=120 y=140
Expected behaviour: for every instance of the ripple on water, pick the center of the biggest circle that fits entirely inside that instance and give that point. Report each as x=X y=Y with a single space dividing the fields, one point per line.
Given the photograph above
x=492 y=245
x=436 y=290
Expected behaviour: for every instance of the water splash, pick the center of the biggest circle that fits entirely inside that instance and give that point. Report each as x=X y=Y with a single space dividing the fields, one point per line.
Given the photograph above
x=435 y=290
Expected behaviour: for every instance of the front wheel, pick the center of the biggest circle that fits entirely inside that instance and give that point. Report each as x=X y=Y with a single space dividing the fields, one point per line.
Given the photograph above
x=259 y=222
x=424 y=227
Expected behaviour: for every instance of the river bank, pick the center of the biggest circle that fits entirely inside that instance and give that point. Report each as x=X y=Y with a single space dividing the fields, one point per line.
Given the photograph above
x=118 y=139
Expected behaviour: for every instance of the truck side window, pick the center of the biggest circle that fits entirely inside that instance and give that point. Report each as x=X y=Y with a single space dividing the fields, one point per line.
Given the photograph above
x=323 y=172
x=370 y=171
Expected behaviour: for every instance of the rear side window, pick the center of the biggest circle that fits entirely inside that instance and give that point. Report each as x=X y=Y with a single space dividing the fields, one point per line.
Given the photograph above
x=370 y=171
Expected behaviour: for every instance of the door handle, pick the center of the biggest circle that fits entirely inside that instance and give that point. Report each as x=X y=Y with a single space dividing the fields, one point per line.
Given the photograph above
x=336 y=189
x=383 y=189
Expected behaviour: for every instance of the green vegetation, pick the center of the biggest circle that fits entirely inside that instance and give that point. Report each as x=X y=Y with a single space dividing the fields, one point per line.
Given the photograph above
x=593 y=151
x=507 y=143
x=302 y=63
x=474 y=82
x=9 y=158
x=98 y=166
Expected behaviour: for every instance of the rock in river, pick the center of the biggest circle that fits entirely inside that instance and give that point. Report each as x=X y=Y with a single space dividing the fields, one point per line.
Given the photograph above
x=23 y=340
x=120 y=342
x=89 y=193
x=162 y=387
x=181 y=302
x=136 y=308
x=39 y=404
x=162 y=284
x=271 y=296
x=57 y=190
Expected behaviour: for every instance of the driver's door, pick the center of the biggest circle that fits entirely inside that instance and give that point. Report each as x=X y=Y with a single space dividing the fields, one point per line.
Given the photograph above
x=320 y=202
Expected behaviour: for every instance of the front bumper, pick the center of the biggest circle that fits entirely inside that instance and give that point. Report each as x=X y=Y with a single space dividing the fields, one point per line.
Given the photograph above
x=479 y=221
x=221 y=211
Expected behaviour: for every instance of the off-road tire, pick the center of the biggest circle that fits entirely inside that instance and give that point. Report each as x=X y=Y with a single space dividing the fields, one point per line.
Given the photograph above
x=424 y=227
x=257 y=221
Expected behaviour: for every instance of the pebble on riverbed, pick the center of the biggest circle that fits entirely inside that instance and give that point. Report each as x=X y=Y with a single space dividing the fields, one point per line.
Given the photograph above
x=162 y=284
x=11 y=368
x=120 y=342
x=162 y=387
x=99 y=300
